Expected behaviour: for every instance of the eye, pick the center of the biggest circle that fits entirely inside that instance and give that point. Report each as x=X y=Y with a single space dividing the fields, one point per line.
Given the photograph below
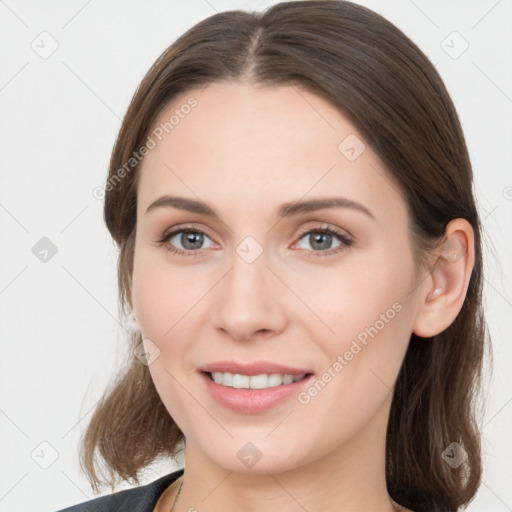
x=320 y=241
x=185 y=241
x=189 y=241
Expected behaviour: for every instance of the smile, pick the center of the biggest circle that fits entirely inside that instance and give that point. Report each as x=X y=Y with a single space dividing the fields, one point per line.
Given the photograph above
x=262 y=381
x=252 y=394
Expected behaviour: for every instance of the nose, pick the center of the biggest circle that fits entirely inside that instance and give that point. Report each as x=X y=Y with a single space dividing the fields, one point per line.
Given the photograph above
x=249 y=301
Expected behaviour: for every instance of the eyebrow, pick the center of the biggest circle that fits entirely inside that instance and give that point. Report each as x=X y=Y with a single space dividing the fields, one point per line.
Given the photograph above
x=285 y=210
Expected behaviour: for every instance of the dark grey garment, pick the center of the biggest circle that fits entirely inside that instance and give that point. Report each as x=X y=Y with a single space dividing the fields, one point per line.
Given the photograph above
x=139 y=499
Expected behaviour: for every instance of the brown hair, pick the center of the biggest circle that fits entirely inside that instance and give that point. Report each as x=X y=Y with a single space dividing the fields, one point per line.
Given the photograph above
x=378 y=77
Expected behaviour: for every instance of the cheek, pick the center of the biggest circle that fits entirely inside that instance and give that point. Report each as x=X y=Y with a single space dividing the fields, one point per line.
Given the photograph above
x=161 y=293
x=363 y=298
x=362 y=360
x=369 y=313
x=162 y=296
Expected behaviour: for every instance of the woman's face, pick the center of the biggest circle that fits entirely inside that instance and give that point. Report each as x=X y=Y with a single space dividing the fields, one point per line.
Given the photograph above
x=261 y=281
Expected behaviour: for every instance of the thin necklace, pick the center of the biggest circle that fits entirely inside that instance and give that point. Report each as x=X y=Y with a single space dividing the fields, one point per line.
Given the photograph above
x=177 y=496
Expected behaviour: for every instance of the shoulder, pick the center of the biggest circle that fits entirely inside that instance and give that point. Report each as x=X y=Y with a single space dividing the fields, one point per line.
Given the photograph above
x=138 y=499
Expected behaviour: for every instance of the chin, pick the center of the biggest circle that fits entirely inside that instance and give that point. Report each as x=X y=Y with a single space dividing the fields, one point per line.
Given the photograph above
x=258 y=457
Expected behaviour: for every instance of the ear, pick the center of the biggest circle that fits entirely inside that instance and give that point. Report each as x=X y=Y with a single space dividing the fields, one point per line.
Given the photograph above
x=443 y=291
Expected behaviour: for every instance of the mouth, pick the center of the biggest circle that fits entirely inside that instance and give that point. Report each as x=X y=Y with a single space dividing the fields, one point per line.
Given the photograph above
x=255 y=387
x=261 y=381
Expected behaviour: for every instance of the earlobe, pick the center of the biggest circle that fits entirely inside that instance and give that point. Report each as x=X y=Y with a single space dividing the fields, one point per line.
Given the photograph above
x=443 y=292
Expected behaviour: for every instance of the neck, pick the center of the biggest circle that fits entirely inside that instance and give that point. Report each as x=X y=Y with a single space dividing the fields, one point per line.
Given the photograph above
x=352 y=477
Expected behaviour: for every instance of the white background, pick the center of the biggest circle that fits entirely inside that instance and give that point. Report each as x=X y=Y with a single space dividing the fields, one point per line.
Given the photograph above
x=59 y=334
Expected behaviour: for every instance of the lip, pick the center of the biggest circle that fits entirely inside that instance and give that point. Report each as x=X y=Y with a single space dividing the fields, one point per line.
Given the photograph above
x=254 y=368
x=252 y=401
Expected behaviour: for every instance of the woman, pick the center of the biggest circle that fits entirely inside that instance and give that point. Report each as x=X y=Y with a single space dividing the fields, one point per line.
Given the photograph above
x=255 y=144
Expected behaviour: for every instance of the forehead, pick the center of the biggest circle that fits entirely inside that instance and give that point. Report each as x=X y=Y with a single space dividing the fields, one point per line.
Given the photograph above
x=233 y=140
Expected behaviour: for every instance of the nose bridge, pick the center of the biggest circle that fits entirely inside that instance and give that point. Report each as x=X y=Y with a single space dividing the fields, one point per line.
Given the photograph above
x=247 y=301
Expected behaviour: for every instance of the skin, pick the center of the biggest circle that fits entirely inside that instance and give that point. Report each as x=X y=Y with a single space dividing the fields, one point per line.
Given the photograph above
x=245 y=150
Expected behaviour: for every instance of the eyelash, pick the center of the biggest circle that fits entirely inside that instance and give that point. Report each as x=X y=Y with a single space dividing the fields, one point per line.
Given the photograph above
x=346 y=241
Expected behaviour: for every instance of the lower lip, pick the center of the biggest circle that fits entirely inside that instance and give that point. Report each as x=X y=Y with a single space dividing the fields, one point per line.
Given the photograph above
x=252 y=400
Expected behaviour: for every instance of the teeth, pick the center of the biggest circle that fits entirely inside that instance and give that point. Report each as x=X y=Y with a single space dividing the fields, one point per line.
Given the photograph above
x=262 y=381
x=240 y=381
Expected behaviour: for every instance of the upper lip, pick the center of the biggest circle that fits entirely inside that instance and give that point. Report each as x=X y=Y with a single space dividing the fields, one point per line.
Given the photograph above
x=254 y=368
